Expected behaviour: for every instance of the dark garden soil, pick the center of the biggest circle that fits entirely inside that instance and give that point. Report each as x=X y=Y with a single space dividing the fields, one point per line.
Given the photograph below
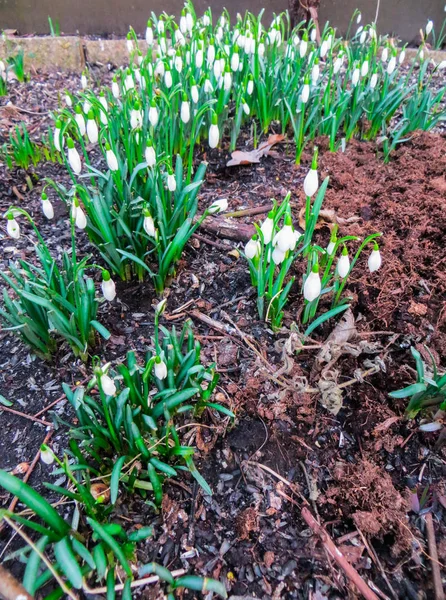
x=366 y=472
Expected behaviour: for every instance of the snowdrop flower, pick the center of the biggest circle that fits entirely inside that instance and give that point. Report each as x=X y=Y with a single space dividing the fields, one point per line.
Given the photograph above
x=150 y=154
x=235 y=60
x=178 y=62
x=199 y=58
x=363 y=36
x=46 y=454
x=267 y=228
x=278 y=256
x=103 y=113
x=441 y=65
x=47 y=207
x=92 y=128
x=108 y=288
x=86 y=107
x=217 y=69
x=208 y=89
x=129 y=43
x=324 y=48
x=252 y=248
x=160 y=368
x=332 y=244
x=211 y=53
x=312 y=285
x=73 y=157
x=171 y=182
x=311 y=181
x=285 y=239
x=227 y=80
x=153 y=114
x=315 y=71
x=245 y=107
x=107 y=385
x=194 y=92
x=375 y=260
x=214 y=133
x=160 y=307
x=80 y=220
x=183 y=22
x=189 y=21
x=429 y=27
x=218 y=206
x=84 y=82
x=115 y=88
x=338 y=64
x=168 y=78
x=149 y=33
x=160 y=26
x=79 y=118
x=343 y=266
x=373 y=81
x=68 y=100
x=385 y=54
x=136 y=117
x=206 y=20
x=260 y=49
x=12 y=227
x=355 y=77
x=179 y=37
x=391 y=66
x=313 y=34
x=364 y=68
x=250 y=86
x=359 y=30
x=129 y=84
x=163 y=44
x=303 y=45
x=401 y=57
x=112 y=161
x=431 y=427
x=148 y=224
x=358 y=18
x=185 y=109
x=57 y=136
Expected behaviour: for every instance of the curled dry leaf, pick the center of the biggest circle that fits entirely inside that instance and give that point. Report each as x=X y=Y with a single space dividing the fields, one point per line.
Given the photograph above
x=327 y=218
x=100 y=492
x=240 y=157
x=20 y=469
x=331 y=394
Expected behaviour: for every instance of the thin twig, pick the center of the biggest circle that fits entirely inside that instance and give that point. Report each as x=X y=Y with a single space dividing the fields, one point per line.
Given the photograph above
x=432 y=545
x=44 y=410
x=24 y=416
x=218 y=245
x=10 y=588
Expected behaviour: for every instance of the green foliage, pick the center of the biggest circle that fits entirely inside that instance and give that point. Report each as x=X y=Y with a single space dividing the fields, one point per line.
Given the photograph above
x=20 y=151
x=429 y=389
x=17 y=65
x=48 y=302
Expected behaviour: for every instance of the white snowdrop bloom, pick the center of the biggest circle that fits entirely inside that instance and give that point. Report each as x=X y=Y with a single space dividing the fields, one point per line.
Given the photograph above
x=185 y=111
x=261 y=49
x=149 y=34
x=313 y=35
x=178 y=63
x=337 y=64
x=305 y=93
x=278 y=256
x=47 y=207
x=149 y=225
x=153 y=114
x=183 y=23
x=136 y=117
x=46 y=455
x=303 y=48
x=374 y=261
x=391 y=66
x=108 y=385
x=324 y=48
x=92 y=128
x=218 y=206
x=68 y=100
x=364 y=68
x=208 y=87
x=80 y=219
x=311 y=182
x=246 y=108
x=315 y=71
x=429 y=27
x=108 y=288
x=312 y=285
x=330 y=248
x=359 y=30
x=214 y=134
x=189 y=21
x=103 y=113
x=227 y=81
x=442 y=65
x=355 y=77
x=431 y=427
x=168 y=78
x=150 y=155
x=385 y=54
x=86 y=107
x=372 y=33
x=84 y=82
x=210 y=57
x=12 y=227
x=199 y=59
x=219 y=34
x=401 y=57
x=160 y=368
x=330 y=40
x=363 y=36
x=79 y=118
x=160 y=26
x=267 y=228
x=112 y=161
x=235 y=61
x=206 y=20
x=179 y=38
x=73 y=157
x=163 y=44
x=285 y=239
x=374 y=80
x=358 y=18
x=58 y=137
x=194 y=94
x=343 y=265
x=252 y=248
x=217 y=69
x=250 y=87
x=171 y=182
x=130 y=46
x=115 y=89
x=129 y=84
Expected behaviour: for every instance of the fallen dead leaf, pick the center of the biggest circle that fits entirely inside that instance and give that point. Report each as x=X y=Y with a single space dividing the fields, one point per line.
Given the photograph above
x=385 y=425
x=327 y=218
x=242 y=157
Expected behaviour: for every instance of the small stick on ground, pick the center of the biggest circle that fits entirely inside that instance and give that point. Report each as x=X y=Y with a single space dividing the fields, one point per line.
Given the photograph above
x=337 y=556
x=63 y=397
x=10 y=588
x=432 y=545
x=24 y=416
x=247 y=212
x=218 y=245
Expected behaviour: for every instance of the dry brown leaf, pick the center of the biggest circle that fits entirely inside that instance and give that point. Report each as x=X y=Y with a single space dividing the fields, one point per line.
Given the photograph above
x=327 y=218
x=385 y=425
x=241 y=157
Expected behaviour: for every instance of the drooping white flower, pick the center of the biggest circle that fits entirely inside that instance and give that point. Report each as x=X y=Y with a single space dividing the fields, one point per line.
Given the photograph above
x=385 y=54
x=227 y=80
x=107 y=385
x=189 y=21
x=313 y=34
x=312 y=285
x=338 y=64
x=358 y=18
x=373 y=80
x=252 y=248
x=80 y=121
x=311 y=181
x=343 y=266
x=324 y=48
x=178 y=62
x=171 y=182
x=267 y=228
x=80 y=220
x=441 y=65
x=136 y=117
x=129 y=43
x=46 y=454
x=160 y=368
x=47 y=207
x=149 y=33
x=278 y=256
x=150 y=155
x=363 y=36
x=315 y=71
x=12 y=227
x=194 y=93
x=245 y=107
x=73 y=157
x=58 y=138
x=260 y=49
x=208 y=89
x=92 y=128
x=179 y=38
x=214 y=133
x=108 y=286
x=375 y=260
x=303 y=47
x=168 y=78
x=163 y=44
x=355 y=77
x=115 y=88
x=330 y=248
x=68 y=100
x=401 y=57
x=206 y=20
x=285 y=239
x=250 y=86
x=149 y=225
x=183 y=22
x=210 y=56
x=364 y=68
x=160 y=26
x=218 y=206
x=429 y=27
x=199 y=58
x=153 y=114
x=235 y=60
x=160 y=307
x=185 y=110
x=103 y=113
x=391 y=66
x=112 y=160
x=84 y=82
